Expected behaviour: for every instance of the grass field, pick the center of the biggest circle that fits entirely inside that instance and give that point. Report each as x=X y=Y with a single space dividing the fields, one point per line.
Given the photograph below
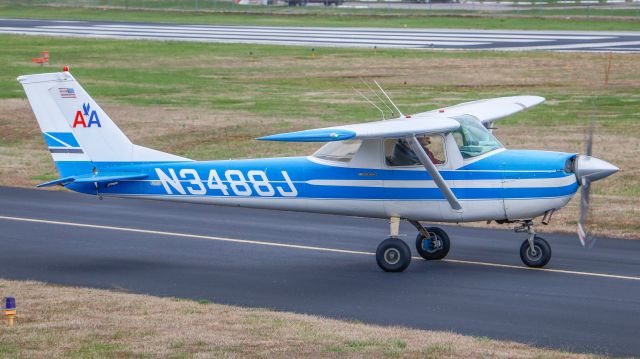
x=63 y=322
x=209 y=101
x=230 y=14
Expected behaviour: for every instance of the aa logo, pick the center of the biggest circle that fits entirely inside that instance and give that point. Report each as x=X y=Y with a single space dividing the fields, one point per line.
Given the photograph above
x=86 y=113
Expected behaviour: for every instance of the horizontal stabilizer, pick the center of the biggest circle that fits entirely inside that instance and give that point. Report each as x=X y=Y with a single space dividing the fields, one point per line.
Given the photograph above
x=60 y=181
x=91 y=178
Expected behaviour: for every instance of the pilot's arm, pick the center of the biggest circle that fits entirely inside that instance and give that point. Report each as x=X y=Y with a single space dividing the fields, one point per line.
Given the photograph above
x=403 y=155
x=432 y=157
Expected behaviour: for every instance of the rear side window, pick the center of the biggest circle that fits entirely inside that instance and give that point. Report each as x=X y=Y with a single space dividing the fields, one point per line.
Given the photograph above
x=341 y=151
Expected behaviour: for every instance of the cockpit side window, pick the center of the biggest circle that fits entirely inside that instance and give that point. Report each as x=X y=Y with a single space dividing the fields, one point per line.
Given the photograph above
x=472 y=138
x=341 y=151
x=399 y=153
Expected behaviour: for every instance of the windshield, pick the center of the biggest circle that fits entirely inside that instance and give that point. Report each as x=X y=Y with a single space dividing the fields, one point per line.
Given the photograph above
x=472 y=138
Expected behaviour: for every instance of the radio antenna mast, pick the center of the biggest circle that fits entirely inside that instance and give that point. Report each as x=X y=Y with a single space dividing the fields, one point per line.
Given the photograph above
x=394 y=105
x=369 y=101
x=378 y=96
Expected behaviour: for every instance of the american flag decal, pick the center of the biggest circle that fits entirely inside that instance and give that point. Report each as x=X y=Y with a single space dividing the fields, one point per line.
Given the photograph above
x=67 y=93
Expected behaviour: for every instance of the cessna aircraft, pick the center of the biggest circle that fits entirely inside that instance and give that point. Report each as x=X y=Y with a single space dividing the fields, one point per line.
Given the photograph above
x=443 y=165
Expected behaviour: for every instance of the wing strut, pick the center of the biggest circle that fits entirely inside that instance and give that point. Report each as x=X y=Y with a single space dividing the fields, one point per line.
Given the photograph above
x=433 y=171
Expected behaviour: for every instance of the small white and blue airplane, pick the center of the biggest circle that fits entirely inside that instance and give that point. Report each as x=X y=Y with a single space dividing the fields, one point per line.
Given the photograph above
x=437 y=166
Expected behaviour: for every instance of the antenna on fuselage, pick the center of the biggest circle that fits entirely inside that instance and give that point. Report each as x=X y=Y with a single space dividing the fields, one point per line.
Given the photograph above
x=378 y=96
x=369 y=101
x=389 y=98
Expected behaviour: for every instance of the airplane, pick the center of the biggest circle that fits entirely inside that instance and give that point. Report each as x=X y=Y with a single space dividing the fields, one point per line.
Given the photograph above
x=443 y=165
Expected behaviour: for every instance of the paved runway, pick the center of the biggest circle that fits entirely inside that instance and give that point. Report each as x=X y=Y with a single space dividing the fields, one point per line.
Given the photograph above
x=321 y=264
x=343 y=37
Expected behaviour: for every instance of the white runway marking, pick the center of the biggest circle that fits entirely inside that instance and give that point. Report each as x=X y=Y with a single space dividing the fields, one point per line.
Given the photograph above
x=296 y=246
x=341 y=37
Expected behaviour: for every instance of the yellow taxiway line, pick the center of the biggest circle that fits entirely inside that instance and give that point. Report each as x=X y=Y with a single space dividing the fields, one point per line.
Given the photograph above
x=297 y=246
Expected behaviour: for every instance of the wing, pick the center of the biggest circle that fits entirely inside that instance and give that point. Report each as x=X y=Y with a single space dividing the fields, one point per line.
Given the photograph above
x=489 y=110
x=425 y=123
x=416 y=125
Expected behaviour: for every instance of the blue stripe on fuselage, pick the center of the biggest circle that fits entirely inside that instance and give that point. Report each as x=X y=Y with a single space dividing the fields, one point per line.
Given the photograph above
x=543 y=165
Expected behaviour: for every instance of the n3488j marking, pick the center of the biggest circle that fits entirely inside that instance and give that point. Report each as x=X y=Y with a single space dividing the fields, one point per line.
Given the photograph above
x=255 y=182
x=442 y=165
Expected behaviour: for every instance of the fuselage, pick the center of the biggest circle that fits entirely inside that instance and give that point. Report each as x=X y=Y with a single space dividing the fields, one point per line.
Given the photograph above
x=502 y=184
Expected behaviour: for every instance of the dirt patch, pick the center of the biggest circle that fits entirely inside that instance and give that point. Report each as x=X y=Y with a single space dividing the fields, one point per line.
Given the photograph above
x=62 y=322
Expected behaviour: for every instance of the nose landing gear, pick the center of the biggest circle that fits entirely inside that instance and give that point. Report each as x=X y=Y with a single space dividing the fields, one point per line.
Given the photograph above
x=535 y=251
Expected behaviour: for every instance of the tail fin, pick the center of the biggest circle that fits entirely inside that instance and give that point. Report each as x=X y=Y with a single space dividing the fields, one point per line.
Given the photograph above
x=80 y=135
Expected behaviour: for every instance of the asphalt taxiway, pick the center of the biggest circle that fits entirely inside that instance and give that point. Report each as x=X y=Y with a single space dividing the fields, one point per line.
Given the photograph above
x=460 y=39
x=586 y=300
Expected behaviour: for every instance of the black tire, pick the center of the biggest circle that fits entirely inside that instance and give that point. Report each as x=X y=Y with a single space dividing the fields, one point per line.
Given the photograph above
x=393 y=255
x=430 y=249
x=542 y=255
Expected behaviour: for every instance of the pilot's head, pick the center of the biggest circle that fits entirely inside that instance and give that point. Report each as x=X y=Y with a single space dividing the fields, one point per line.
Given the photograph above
x=424 y=141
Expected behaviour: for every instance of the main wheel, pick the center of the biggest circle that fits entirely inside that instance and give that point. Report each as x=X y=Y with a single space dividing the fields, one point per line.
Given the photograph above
x=393 y=255
x=433 y=248
x=540 y=255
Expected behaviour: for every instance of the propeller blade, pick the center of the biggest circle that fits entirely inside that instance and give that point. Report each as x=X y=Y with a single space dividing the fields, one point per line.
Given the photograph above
x=585 y=239
x=589 y=144
x=585 y=191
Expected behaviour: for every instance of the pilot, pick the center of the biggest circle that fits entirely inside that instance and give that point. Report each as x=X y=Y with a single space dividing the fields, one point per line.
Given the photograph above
x=403 y=155
x=425 y=141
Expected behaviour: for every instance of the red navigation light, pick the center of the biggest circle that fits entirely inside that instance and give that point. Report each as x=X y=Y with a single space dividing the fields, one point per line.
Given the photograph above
x=65 y=69
x=441 y=110
x=407 y=116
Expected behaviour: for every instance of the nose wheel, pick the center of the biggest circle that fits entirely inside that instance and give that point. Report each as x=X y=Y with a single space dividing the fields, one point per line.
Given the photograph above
x=535 y=251
x=536 y=256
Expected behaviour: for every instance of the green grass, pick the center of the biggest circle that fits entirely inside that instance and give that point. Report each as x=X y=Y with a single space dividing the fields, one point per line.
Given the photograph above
x=99 y=350
x=252 y=79
x=391 y=348
x=438 y=350
x=7 y=349
x=283 y=16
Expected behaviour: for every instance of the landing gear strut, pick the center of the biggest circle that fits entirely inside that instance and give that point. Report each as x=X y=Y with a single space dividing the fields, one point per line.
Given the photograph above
x=535 y=251
x=432 y=243
x=393 y=254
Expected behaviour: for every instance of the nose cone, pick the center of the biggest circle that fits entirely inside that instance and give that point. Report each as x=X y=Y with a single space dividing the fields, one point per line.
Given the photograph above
x=593 y=168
